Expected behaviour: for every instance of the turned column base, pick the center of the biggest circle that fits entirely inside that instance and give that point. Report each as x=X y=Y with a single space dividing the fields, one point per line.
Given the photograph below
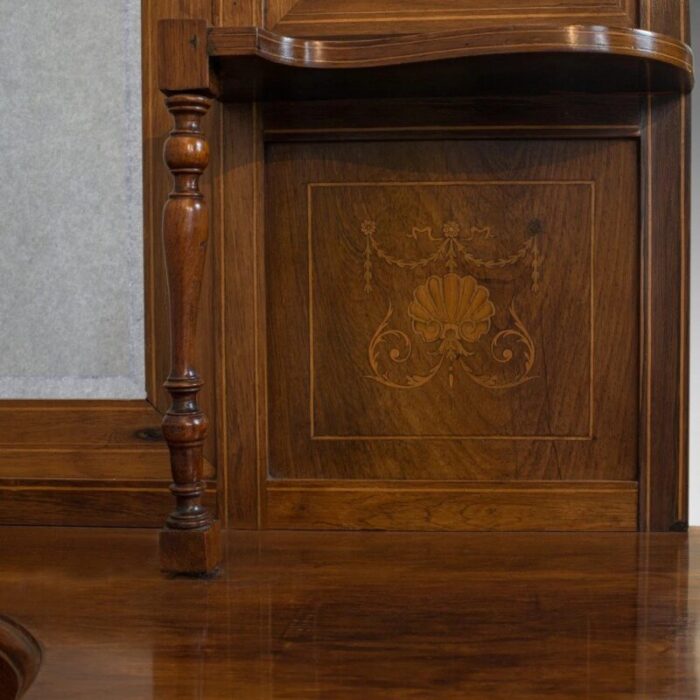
x=191 y=552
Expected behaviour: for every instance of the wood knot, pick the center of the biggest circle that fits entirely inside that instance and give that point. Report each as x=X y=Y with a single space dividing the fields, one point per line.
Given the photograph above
x=152 y=434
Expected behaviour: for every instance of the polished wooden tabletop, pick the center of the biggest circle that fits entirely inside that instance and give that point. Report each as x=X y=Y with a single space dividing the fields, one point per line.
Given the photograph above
x=361 y=616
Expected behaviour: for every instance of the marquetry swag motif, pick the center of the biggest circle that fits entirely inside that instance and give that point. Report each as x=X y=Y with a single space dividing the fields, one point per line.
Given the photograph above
x=451 y=312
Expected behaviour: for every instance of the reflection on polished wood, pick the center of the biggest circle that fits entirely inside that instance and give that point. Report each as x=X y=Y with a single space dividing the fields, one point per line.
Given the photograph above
x=20 y=658
x=257 y=64
x=360 y=615
x=359 y=52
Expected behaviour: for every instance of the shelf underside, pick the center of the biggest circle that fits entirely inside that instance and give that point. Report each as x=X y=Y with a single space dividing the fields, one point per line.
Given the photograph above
x=255 y=64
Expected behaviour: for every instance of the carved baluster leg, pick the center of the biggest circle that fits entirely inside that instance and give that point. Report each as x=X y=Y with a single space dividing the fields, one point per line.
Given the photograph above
x=190 y=542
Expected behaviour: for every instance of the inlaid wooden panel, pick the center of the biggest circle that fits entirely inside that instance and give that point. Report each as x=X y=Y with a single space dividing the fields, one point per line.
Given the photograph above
x=462 y=311
x=328 y=17
x=446 y=296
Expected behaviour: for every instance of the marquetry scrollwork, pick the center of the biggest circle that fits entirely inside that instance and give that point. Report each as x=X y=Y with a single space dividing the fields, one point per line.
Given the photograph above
x=452 y=315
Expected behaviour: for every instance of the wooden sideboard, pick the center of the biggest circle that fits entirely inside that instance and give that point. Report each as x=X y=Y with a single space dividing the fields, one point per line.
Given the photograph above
x=449 y=276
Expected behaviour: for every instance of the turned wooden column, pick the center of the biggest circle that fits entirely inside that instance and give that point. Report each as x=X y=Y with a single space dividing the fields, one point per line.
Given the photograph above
x=190 y=542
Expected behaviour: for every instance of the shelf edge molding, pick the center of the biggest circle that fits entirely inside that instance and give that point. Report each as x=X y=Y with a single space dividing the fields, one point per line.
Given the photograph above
x=418 y=48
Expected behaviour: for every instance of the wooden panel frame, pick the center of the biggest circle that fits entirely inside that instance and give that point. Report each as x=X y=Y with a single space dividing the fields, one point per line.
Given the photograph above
x=663 y=142
x=83 y=463
x=665 y=186
x=466 y=505
x=522 y=506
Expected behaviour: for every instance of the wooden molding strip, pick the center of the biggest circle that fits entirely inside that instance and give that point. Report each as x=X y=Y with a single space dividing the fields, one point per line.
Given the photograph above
x=461 y=486
x=87 y=424
x=89 y=463
x=108 y=465
x=140 y=504
x=451 y=506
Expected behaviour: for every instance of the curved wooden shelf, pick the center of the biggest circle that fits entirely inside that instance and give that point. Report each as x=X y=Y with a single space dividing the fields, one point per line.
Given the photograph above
x=258 y=64
x=20 y=659
x=416 y=48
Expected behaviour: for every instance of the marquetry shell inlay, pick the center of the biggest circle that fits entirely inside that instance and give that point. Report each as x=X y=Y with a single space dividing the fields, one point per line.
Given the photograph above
x=451 y=313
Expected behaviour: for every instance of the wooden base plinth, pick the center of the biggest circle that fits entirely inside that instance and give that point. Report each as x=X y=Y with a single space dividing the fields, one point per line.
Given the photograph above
x=191 y=552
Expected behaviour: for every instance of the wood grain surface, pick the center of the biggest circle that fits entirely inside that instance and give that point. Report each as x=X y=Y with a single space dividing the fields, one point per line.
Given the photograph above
x=371 y=615
x=363 y=385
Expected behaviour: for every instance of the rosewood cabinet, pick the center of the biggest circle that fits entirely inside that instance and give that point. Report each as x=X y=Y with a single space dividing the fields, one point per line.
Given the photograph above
x=450 y=266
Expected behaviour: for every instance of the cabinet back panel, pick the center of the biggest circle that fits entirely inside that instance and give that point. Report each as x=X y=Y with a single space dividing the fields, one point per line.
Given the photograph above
x=457 y=311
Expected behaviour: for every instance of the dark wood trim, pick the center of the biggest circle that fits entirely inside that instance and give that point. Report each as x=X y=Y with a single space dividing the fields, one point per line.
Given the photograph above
x=59 y=464
x=561 y=116
x=243 y=343
x=84 y=463
x=665 y=272
x=48 y=446
x=88 y=503
x=439 y=506
x=212 y=313
x=80 y=424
